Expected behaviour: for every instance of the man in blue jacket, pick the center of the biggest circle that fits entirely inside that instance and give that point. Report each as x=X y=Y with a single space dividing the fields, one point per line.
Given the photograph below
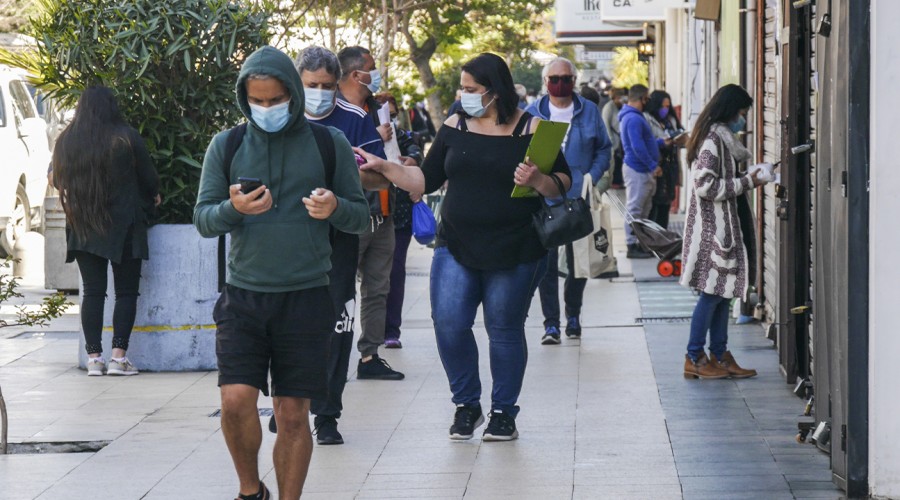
x=641 y=164
x=586 y=148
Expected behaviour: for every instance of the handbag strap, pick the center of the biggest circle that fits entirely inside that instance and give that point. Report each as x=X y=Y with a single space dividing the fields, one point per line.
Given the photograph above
x=559 y=185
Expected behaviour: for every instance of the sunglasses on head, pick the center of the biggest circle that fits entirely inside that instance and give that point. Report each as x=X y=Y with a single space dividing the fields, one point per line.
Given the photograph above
x=556 y=79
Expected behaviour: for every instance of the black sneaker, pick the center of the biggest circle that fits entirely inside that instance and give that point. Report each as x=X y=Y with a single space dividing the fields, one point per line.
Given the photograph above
x=551 y=336
x=467 y=419
x=636 y=252
x=377 y=369
x=573 y=327
x=502 y=427
x=272 y=427
x=326 y=431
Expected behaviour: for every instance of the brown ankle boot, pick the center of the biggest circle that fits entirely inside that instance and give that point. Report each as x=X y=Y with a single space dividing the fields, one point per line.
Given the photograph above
x=728 y=363
x=703 y=368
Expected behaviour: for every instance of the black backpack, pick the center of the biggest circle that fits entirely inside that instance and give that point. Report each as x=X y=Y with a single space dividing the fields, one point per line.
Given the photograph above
x=325 y=143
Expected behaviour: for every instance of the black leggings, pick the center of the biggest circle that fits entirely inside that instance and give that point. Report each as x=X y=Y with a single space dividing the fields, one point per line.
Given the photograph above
x=127 y=277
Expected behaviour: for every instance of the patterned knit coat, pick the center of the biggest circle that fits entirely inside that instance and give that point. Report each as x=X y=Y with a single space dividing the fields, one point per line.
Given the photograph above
x=714 y=255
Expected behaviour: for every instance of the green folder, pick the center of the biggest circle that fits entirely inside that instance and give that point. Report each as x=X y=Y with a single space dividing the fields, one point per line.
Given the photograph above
x=542 y=151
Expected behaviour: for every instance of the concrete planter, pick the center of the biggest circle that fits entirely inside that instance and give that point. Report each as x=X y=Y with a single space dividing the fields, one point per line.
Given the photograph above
x=58 y=275
x=174 y=330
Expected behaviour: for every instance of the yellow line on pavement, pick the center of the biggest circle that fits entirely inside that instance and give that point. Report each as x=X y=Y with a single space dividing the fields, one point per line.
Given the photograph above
x=162 y=328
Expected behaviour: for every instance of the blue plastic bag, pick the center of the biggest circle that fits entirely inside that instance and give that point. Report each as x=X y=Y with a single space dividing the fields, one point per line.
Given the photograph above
x=424 y=226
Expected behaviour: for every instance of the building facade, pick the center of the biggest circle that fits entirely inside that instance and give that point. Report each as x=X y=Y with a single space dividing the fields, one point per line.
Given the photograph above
x=820 y=73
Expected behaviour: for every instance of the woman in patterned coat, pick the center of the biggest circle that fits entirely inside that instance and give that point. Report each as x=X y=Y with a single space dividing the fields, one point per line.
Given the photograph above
x=718 y=252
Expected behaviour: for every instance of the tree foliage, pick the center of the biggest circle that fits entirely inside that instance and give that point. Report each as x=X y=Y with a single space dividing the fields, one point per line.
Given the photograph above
x=51 y=307
x=171 y=63
x=14 y=14
x=421 y=43
x=628 y=69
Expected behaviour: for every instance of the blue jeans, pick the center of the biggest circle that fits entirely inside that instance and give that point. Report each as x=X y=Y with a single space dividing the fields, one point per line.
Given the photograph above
x=710 y=314
x=456 y=292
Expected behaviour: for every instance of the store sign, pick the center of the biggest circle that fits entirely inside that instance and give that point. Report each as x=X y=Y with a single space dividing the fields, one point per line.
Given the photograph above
x=579 y=21
x=584 y=56
x=639 y=10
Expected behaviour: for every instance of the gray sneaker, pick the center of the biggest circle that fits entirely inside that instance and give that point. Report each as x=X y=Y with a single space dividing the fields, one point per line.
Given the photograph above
x=123 y=367
x=96 y=367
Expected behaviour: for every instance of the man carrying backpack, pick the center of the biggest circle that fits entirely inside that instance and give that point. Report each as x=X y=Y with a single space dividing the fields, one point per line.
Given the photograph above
x=275 y=309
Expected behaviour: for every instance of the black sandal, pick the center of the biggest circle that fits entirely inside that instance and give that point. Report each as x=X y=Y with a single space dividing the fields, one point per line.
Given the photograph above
x=262 y=494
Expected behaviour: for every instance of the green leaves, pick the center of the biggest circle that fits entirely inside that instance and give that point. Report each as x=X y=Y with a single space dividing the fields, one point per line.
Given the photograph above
x=628 y=69
x=172 y=64
x=51 y=307
x=421 y=34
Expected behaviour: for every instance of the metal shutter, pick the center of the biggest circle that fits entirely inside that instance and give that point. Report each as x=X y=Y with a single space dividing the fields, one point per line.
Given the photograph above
x=770 y=101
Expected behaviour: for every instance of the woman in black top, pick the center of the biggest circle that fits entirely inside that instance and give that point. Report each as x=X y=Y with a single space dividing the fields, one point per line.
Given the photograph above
x=107 y=186
x=487 y=252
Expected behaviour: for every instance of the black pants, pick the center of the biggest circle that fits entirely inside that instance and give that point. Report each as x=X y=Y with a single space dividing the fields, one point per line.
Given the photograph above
x=341 y=346
x=126 y=279
x=573 y=288
x=618 y=157
x=659 y=213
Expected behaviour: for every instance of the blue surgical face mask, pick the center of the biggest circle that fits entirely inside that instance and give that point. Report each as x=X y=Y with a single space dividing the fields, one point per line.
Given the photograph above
x=738 y=125
x=319 y=102
x=471 y=104
x=273 y=118
x=663 y=113
x=375 y=75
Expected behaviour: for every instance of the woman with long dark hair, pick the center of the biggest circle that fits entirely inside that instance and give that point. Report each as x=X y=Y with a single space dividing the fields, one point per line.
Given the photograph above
x=487 y=252
x=108 y=186
x=666 y=127
x=719 y=250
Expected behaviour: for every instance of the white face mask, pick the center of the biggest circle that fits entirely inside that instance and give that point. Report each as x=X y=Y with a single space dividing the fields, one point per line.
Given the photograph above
x=273 y=118
x=471 y=104
x=319 y=102
x=375 y=84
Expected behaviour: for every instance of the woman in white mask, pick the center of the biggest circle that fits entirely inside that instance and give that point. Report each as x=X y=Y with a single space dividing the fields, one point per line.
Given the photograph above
x=487 y=253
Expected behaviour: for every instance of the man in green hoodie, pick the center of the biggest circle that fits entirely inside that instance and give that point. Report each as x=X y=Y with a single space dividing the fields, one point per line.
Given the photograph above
x=275 y=309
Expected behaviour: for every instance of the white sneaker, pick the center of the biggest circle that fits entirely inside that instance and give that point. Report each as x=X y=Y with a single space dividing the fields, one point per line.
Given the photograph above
x=122 y=367
x=96 y=367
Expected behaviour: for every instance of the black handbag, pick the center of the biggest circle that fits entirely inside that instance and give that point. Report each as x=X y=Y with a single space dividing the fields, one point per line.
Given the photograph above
x=564 y=223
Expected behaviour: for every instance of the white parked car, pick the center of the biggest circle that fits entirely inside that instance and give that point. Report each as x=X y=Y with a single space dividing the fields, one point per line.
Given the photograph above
x=24 y=160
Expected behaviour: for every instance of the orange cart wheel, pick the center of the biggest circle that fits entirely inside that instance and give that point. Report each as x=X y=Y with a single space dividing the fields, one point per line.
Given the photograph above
x=665 y=268
x=677 y=264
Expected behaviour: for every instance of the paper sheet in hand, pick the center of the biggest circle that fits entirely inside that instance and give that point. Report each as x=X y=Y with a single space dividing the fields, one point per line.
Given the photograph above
x=542 y=151
x=391 y=147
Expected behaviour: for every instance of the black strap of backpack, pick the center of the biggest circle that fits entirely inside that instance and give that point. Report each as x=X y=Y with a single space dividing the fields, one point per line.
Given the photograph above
x=326 y=150
x=324 y=142
x=232 y=143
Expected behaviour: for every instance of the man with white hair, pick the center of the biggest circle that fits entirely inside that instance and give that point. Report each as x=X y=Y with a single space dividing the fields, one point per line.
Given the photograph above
x=587 y=149
x=522 y=92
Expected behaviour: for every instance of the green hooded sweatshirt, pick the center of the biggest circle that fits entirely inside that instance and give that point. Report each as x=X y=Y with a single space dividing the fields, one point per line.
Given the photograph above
x=283 y=249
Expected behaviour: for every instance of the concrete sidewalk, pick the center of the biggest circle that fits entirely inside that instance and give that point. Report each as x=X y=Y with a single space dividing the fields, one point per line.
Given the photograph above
x=609 y=416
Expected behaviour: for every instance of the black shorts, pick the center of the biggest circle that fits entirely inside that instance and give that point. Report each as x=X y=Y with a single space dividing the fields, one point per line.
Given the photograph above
x=287 y=331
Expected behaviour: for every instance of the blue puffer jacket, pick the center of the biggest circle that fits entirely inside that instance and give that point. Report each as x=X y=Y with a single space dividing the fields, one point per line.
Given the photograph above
x=638 y=141
x=587 y=147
